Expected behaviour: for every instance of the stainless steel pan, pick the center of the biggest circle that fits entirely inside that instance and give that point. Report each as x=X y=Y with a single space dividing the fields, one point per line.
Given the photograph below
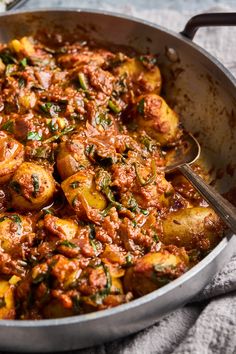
x=204 y=93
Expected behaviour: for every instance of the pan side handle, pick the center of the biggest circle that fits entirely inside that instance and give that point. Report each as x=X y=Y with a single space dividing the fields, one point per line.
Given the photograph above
x=16 y=4
x=208 y=20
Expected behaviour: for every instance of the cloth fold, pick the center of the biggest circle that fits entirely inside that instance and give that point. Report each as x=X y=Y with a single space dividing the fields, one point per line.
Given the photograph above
x=206 y=326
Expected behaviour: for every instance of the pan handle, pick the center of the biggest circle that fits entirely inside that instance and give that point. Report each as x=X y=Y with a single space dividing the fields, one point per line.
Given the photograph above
x=16 y=4
x=207 y=20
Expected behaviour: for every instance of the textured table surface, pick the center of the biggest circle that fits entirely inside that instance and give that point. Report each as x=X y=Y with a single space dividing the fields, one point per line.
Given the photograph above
x=172 y=14
x=182 y=5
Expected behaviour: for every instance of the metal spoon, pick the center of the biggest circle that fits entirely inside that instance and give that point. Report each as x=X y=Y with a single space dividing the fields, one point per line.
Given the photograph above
x=179 y=158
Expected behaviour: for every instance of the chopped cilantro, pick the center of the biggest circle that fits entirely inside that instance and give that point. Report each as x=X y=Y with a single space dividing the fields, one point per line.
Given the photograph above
x=140 y=106
x=23 y=62
x=114 y=107
x=144 y=211
x=21 y=82
x=8 y=126
x=35 y=181
x=128 y=259
x=104 y=120
x=83 y=81
x=55 y=137
x=74 y=184
x=67 y=244
x=34 y=136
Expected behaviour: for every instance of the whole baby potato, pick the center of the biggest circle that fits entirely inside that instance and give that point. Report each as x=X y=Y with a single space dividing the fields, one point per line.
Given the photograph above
x=32 y=187
x=160 y=122
x=155 y=270
x=196 y=227
x=146 y=79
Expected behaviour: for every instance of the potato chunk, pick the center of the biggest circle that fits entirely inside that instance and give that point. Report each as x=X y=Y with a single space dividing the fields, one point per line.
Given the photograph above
x=196 y=227
x=80 y=191
x=155 y=270
x=32 y=187
x=11 y=156
x=64 y=229
x=7 y=306
x=147 y=79
x=160 y=122
x=22 y=46
x=71 y=158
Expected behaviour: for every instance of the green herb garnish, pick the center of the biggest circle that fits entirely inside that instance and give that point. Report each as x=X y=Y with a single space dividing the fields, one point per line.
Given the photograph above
x=50 y=109
x=67 y=244
x=114 y=107
x=53 y=126
x=83 y=81
x=56 y=137
x=17 y=220
x=144 y=211
x=140 y=106
x=7 y=58
x=9 y=69
x=104 y=120
x=74 y=185
x=8 y=126
x=151 y=179
x=132 y=204
x=21 y=82
x=92 y=243
x=128 y=259
x=35 y=181
x=109 y=281
x=34 y=136
x=23 y=62
x=89 y=149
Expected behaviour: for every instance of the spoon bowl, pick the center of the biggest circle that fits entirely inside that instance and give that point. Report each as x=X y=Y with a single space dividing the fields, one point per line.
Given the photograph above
x=179 y=158
x=187 y=151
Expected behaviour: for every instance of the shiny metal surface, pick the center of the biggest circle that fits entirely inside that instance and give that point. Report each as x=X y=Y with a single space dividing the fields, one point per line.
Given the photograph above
x=222 y=207
x=206 y=103
x=180 y=158
x=188 y=152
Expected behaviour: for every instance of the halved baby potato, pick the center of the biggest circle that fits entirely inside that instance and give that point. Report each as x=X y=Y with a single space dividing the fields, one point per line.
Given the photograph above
x=80 y=191
x=147 y=79
x=71 y=157
x=64 y=229
x=11 y=156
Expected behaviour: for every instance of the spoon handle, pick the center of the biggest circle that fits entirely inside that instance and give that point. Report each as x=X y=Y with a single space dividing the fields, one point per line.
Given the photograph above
x=221 y=206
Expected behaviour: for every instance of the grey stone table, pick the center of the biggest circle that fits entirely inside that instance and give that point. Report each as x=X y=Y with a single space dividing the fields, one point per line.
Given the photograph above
x=172 y=14
x=181 y=5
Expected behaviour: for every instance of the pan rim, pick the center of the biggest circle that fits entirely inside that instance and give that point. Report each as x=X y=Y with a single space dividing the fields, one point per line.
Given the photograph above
x=44 y=323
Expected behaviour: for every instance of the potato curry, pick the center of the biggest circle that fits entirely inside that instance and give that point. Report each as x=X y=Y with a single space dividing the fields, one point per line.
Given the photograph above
x=88 y=219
